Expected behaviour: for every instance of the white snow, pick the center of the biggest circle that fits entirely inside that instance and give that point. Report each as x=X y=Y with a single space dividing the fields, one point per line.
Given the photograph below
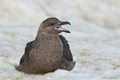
x=94 y=38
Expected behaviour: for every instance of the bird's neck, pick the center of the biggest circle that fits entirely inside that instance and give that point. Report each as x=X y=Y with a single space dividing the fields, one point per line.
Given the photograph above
x=48 y=42
x=45 y=31
x=46 y=36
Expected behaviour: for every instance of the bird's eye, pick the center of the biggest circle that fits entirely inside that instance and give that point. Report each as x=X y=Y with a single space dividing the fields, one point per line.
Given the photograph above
x=52 y=24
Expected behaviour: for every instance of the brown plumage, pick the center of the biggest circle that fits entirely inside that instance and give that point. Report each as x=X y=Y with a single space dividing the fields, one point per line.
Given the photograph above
x=49 y=51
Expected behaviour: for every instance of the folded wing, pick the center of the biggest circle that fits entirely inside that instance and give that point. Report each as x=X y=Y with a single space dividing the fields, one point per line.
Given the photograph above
x=66 y=50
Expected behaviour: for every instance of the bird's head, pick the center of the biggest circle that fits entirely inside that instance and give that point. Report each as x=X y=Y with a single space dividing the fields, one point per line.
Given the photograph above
x=53 y=25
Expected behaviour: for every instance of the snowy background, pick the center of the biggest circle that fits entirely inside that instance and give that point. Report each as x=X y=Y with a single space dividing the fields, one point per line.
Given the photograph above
x=94 y=38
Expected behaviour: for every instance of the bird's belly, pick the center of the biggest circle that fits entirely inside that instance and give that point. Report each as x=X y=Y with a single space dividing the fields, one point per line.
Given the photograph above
x=46 y=57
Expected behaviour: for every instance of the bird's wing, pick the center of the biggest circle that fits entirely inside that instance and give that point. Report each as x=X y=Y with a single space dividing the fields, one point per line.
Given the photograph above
x=66 y=49
x=27 y=51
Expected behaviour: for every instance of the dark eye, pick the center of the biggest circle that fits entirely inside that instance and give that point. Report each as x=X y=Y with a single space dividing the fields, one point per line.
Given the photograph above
x=52 y=24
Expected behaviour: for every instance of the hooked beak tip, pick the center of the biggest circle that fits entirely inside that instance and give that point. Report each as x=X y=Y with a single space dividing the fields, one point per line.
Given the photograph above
x=65 y=23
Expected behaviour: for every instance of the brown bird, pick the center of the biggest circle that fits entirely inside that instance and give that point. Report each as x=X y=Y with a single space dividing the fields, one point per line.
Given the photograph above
x=49 y=51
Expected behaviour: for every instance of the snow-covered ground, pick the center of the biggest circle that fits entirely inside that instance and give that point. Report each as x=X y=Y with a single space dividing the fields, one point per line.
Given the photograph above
x=94 y=38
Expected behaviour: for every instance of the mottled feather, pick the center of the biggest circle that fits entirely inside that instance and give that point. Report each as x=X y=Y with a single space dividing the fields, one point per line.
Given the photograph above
x=66 y=50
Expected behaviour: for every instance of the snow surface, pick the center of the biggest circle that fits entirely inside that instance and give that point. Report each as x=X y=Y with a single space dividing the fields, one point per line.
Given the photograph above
x=94 y=38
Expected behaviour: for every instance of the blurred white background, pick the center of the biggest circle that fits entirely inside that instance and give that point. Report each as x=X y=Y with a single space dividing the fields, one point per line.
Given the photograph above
x=94 y=38
x=31 y=12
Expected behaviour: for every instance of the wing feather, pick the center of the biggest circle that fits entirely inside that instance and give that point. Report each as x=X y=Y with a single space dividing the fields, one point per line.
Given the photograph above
x=66 y=49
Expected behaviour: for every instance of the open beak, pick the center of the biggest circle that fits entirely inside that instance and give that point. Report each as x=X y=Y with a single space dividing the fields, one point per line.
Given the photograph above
x=62 y=29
